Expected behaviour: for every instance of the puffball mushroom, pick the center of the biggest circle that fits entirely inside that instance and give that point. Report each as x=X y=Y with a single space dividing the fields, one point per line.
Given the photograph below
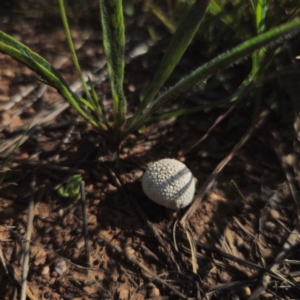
x=170 y=183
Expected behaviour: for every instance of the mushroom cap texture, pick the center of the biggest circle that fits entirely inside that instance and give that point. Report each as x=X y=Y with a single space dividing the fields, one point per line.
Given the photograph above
x=170 y=183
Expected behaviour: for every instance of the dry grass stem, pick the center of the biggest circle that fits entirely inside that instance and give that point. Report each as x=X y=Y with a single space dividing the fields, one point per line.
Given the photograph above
x=85 y=225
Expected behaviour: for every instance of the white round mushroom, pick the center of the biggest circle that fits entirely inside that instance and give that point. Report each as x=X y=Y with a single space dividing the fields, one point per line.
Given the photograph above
x=170 y=183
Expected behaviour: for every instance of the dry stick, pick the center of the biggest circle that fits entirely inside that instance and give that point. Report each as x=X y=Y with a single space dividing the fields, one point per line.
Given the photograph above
x=24 y=163
x=293 y=240
x=219 y=263
x=85 y=225
x=31 y=212
x=2 y=260
x=63 y=143
x=25 y=252
x=217 y=121
x=141 y=266
x=192 y=246
x=212 y=178
x=232 y=285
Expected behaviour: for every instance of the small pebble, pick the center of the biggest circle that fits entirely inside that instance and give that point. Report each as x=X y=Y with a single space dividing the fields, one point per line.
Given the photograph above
x=96 y=202
x=47 y=295
x=131 y=88
x=45 y=270
x=275 y=214
x=54 y=274
x=111 y=188
x=270 y=226
x=60 y=266
x=124 y=294
x=80 y=243
x=224 y=277
x=129 y=250
x=153 y=293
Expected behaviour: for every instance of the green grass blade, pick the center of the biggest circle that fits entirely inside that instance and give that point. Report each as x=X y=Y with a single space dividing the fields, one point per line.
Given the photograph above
x=238 y=94
x=71 y=46
x=257 y=57
x=161 y=16
x=180 y=41
x=95 y=97
x=114 y=43
x=260 y=15
x=220 y=62
x=32 y=60
x=216 y=9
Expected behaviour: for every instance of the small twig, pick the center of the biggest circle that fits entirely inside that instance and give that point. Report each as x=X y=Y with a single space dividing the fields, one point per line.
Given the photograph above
x=85 y=225
x=217 y=121
x=174 y=235
x=31 y=212
x=25 y=252
x=63 y=143
x=23 y=164
x=232 y=285
x=2 y=260
x=192 y=246
x=232 y=268
x=243 y=227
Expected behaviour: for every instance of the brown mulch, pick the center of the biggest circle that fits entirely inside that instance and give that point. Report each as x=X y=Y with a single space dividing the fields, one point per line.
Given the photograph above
x=135 y=253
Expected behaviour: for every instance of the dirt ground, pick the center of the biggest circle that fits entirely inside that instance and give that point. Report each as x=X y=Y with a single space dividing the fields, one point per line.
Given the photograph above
x=137 y=248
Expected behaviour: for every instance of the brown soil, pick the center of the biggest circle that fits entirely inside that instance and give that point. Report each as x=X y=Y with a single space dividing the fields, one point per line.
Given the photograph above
x=248 y=214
